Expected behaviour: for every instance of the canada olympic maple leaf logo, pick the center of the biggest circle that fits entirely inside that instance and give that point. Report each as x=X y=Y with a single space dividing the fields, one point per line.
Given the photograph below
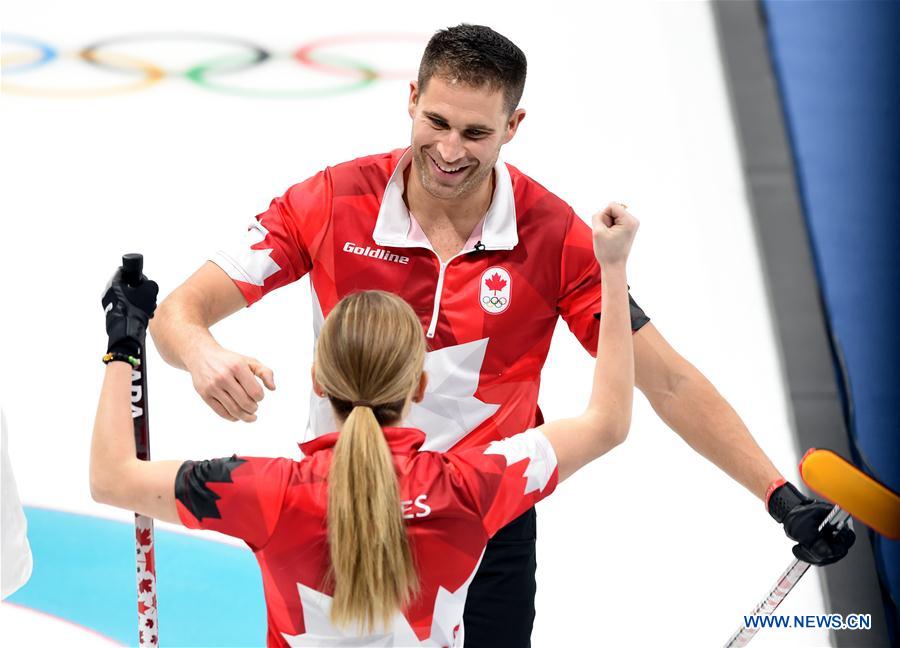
x=495 y=282
x=494 y=293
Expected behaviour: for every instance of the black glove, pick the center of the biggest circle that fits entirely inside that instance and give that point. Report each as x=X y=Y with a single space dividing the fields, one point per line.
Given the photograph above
x=128 y=311
x=801 y=517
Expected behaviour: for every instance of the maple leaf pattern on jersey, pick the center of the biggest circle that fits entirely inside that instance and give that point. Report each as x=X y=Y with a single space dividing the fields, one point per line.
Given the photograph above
x=529 y=446
x=495 y=282
x=197 y=496
x=146 y=585
x=143 y=608
x=253 y=262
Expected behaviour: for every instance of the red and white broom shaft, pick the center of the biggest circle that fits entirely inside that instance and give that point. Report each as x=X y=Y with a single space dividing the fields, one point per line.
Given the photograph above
x=148 y=631
x=837 y=517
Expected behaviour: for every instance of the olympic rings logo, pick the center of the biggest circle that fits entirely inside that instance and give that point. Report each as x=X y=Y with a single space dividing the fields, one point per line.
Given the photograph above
x=496 y=302
x=213 y=73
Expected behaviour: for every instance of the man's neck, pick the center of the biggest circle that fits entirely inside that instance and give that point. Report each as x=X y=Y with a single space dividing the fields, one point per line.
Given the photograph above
x=433 y=214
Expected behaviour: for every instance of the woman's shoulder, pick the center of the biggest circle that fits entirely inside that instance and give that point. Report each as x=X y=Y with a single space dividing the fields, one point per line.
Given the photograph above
x=439 y=479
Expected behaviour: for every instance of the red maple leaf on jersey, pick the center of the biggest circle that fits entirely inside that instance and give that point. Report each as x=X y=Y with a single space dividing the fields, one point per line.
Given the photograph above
x=143 y=607
x=495 y=282
x=143 y=536
x=151 y=562
x=146 y=585
x=149 y=623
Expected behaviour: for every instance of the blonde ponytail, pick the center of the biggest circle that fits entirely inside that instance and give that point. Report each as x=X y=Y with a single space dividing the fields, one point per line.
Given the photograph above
x=373 y=567
x=371 y=348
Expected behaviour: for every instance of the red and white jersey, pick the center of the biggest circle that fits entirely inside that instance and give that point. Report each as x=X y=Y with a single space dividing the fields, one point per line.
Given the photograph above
x=452 y=502
x=489 y=312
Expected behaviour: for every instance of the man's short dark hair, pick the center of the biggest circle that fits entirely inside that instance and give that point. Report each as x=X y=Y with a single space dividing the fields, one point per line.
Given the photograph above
x=475 y=55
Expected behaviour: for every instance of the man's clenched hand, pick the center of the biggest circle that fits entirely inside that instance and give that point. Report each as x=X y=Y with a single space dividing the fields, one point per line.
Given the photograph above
x=229 y=382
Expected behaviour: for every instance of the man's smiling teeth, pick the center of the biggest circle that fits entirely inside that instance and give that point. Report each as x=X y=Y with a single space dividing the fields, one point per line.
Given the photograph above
x=447 y=170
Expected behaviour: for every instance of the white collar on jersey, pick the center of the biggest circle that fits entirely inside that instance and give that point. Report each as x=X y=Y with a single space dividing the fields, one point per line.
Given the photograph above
x=499 y=233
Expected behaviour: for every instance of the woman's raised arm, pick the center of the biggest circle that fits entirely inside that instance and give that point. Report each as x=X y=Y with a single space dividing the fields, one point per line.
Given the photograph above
x=604 y=424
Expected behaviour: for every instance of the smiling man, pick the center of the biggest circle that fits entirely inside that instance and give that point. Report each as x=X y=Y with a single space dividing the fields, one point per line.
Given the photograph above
x=489 y=260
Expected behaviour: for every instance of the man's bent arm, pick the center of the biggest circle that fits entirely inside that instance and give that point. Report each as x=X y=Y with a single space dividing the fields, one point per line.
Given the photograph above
x=181 y=323
x=689 y=404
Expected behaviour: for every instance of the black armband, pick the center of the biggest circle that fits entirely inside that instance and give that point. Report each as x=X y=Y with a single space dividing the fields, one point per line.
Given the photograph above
x=638 y=316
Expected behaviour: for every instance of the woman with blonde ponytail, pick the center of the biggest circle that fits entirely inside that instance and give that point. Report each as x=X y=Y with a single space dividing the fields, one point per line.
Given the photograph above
x=369 y=540
x=369 y=380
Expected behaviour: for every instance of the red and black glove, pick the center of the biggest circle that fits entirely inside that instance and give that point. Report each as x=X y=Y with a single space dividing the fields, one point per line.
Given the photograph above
x=128 y=312
x=802 y=517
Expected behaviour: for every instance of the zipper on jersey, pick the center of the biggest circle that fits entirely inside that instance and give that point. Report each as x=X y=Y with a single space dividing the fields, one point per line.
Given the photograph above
x=439 y=289
x=442 y=269
x=432 y=327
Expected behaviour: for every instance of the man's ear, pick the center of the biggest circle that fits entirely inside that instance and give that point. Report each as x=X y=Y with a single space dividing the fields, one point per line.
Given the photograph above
x=512 y=124
x=317 y=388
x=419 y=393
x=413 y=97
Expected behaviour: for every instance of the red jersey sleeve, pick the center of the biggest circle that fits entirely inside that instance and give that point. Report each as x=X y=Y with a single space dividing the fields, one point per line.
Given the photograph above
x=237 y=496
x=280 y=244
x=579 y=301
x=506 y=478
